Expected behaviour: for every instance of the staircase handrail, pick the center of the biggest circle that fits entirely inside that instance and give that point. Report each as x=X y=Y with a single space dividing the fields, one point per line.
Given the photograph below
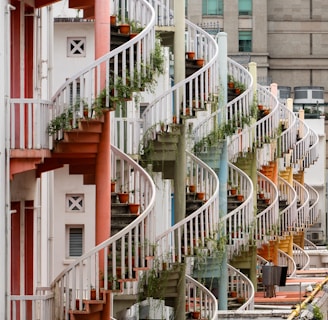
x=288 y=123
x=158 y=110
x=286 y=260
x=241 y=219
x=199 y=297
x=78 y=276
x=260 y=131
x=313 y=204
x=239 y=283
x=175 y=243
x=310 y=245
x=240 y=107
x=288 y=215
x=90 y=79
x=312 y=155
x=268 y=219
x=301 y=258
x=303 y=214
x=302 y=145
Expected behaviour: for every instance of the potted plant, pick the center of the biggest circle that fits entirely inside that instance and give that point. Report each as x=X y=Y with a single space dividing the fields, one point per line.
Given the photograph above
x=190 y=55
x=134 y=208
x=113 y=185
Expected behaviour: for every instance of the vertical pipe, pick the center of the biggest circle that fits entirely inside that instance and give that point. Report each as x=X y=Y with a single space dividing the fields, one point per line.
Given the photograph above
x=223 y=173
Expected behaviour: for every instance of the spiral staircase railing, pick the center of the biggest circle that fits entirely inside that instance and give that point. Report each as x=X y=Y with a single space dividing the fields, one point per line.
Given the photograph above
x=84 y=88
x=134 y=242
x=303 y=214
x=286 y=260
x=182 y=238
x=313 y=204
x=301 y=258
x=267 y=220
x=288 y=215
x=158 y=110
x=241 y=219
x=239 y=283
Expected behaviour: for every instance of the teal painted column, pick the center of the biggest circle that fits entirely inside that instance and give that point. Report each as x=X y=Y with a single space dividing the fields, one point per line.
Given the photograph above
x=223 y=165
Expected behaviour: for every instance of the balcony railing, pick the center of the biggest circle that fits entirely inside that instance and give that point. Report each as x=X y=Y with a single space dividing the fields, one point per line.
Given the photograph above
x=29 y=120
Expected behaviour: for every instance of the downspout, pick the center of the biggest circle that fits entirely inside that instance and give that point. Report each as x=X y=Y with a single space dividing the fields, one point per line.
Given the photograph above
x=5 y=219
x=22 y=50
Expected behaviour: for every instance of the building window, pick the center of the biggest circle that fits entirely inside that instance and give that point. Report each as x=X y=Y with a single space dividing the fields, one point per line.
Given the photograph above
x=76 y=47
x=245 y=7
x=75 y=203
x=245 y=41
x=212 y=7
x=75 y=241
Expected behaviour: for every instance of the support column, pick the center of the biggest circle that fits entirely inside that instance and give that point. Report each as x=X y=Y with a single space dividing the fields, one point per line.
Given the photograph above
x=102 y=32
x=103 y=188
x=223 y=172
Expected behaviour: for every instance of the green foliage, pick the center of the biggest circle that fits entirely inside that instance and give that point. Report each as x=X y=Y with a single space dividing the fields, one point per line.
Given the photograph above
x=317 y=314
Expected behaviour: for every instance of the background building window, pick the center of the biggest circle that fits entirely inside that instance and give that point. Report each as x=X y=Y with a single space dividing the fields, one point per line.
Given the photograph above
x=76 y=47
x=75 y=241
x=245 y=7
x=212 y=7
x=74 y=202
x=245 y=41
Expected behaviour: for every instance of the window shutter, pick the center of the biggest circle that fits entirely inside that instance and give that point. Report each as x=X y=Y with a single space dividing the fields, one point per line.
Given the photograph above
x=75 y=242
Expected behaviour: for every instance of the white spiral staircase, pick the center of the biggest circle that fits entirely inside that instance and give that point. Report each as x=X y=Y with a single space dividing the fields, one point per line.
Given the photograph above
x=137 y=241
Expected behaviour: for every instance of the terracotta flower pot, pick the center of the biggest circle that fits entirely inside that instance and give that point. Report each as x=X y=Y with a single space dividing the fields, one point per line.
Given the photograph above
x=134 y=208
x=200 y=195
x=192 y=188
x=240 y=197
x=233 y=191
x=112 y=186
x=190 y=55
x=196 y=315
x=124 y=28
x=231 y=84
x=123 y=197
x=200 y=62
x=113 y=20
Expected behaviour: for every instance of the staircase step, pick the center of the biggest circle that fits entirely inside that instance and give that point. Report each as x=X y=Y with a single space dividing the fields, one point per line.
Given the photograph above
x=76 y=147
x=80 y=136
x=92 y=125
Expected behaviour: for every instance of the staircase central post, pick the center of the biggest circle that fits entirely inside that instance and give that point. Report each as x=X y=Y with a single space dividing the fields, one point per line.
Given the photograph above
x=180 y=166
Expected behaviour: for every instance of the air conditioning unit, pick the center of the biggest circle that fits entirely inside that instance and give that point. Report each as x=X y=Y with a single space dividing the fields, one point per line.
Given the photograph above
x=315 y=236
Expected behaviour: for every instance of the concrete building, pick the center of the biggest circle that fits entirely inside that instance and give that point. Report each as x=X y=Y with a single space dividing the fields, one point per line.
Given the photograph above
x=287 y=39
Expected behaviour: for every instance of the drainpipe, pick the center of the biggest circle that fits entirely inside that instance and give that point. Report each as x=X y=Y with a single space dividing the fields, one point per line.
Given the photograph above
x=301 y=306
x=223 y=173
x=5 y=244
x=180 y=165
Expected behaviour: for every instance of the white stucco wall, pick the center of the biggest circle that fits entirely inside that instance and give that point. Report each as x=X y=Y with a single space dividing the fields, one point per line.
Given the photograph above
x=71 y=184
x=64 y=66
